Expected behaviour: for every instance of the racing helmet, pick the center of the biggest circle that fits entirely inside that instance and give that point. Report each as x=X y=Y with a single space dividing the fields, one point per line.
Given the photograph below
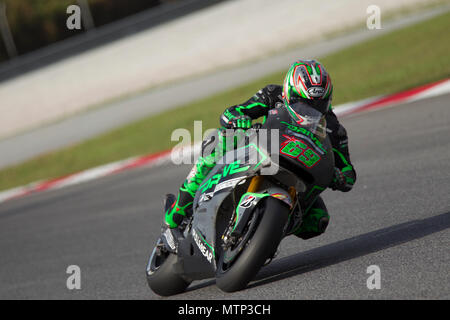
x=307 y=83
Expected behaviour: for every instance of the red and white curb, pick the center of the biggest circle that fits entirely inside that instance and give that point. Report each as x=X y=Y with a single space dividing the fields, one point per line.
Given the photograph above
x=426 y=91
x=87 y=175
x=422 y=92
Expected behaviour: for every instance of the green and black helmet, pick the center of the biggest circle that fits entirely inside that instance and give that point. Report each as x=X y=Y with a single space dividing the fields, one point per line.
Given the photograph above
x=307 y=82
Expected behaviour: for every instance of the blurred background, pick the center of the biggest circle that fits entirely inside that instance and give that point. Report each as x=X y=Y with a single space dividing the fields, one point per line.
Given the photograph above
x=130 y=61
x=36 y=24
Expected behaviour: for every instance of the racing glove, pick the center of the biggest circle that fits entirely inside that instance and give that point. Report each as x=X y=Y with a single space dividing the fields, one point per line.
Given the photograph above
x=343 y=181
x=240 y=122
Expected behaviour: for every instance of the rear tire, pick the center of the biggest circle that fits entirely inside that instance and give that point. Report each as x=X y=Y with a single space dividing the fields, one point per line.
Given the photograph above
x=261 y=246
x=162 y=277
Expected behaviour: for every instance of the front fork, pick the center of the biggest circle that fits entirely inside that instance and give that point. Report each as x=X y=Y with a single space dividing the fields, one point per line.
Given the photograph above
x=249 y=200
x=255 y=184
x=296 y=213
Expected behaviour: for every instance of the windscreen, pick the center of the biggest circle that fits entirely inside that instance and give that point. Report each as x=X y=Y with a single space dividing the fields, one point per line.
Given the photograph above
x=309 y=118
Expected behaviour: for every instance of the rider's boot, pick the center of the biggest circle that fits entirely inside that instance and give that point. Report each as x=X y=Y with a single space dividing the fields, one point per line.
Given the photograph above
x=169 y=200
x=180 y=207
x=315 y=221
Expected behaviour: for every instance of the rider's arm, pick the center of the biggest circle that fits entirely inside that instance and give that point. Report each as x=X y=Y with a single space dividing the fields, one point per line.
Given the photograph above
x=257 y=106
x=339 y=141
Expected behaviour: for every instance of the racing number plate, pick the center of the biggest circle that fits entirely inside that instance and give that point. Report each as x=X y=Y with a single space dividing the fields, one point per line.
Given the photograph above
x=298 y=149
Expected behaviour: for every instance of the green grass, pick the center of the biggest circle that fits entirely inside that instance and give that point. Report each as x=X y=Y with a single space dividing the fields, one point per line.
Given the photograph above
x=400 y=60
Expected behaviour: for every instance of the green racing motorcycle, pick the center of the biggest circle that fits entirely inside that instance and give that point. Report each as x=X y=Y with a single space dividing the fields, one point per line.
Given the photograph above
x=247 y=205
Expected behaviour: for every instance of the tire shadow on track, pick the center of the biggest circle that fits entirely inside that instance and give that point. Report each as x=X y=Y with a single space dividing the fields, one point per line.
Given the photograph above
x=350 y=248
x=343 y=250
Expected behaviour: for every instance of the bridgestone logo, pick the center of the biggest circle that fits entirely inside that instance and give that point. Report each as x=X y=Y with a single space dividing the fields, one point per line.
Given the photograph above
x=208 y=254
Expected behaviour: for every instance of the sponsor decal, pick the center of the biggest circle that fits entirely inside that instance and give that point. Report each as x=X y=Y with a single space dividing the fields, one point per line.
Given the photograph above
x=202 y=247
x=170 y=240
x=247 y=202
x=279 y=196
x=227 y=171
x=223 y=185
x=228 y=184
x=316 y=92
x=206 y=197
x=282 y=197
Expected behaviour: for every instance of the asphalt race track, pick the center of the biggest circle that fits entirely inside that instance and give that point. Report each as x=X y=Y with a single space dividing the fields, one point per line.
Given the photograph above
x=397 y=217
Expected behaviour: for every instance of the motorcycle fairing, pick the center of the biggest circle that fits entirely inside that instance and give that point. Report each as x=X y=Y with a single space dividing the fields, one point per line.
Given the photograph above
x=321 y=173
x=218 y=185
x=250 y=200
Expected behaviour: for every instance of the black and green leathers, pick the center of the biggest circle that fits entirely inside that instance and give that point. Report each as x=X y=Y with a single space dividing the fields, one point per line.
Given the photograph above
x=239 y=117
x=267 y=98
x=315 y=220
x=183 y=205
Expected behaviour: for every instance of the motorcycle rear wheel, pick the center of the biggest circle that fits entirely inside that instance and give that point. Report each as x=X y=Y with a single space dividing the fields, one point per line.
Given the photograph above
x=161 y=275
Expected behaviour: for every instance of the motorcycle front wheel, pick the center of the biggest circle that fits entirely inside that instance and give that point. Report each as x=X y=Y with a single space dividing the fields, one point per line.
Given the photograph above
x=260 y=241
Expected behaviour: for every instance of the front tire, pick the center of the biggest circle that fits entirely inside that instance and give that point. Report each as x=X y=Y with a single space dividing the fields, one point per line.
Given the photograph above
x=261 y=245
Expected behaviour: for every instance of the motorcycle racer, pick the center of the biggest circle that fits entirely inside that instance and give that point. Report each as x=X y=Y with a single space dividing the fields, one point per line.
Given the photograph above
x=308 y=82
